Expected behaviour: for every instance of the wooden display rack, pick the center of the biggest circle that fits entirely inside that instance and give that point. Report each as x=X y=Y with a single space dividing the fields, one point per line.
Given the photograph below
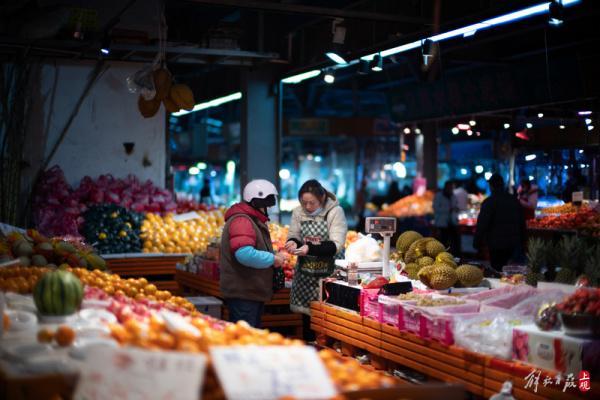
x=159 y=269
x=190 y=282
x=481 y=375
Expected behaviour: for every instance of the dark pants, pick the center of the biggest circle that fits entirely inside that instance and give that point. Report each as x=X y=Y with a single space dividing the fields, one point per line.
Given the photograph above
x=247 y=310
x=308 y=335
x=500 y=257
x=450 y=238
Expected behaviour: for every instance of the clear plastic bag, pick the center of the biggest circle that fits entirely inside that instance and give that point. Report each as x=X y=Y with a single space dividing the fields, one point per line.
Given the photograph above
x=142 y=82
x=489 y=332
x=364 y=249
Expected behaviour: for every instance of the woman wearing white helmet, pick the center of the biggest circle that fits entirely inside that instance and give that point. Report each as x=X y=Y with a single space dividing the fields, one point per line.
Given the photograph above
x=247 y=258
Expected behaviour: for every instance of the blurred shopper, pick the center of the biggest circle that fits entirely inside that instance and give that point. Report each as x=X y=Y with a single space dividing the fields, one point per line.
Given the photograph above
x=445 y=216
x=500 y=224
x=317 y=235
x=527 y=193
x=462 y=197
x=247 y=258
x=393 y=194
x=362 y=198
x=205 y=193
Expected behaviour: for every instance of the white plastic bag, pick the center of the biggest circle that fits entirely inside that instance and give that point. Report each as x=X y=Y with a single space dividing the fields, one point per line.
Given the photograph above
x=489 y=332
x=365 y=249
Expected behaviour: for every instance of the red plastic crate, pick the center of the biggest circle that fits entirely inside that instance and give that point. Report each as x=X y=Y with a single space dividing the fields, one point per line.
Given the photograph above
x=438 y=323
x=409 y=317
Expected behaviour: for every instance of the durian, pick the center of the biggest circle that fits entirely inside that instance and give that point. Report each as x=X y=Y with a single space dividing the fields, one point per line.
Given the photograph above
x=438 y=277
x=425 y=261
x=446 y=258
x=406 y=239
x=433 y=248
x=469 y=275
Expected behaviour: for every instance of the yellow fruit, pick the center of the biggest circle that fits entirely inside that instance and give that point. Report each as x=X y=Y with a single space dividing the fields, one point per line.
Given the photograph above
x=148 y=108
x=102 y=236
x=182 y=96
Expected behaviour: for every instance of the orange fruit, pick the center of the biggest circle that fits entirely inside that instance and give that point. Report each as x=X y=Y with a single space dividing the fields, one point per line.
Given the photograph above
x=64 y=335
x=45 y=335
x=5 y=321
x=150 y=289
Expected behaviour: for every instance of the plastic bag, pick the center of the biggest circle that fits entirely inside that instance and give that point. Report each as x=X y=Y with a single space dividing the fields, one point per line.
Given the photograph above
x=365 y=249
x=142 y=82
x=489 y=332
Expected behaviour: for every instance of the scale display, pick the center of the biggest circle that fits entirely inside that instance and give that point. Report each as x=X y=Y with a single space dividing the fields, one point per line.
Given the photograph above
x=380 y=225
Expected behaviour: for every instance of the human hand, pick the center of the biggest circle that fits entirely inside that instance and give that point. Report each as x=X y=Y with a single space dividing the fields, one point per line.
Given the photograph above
x=302 y=251
x=279 y=260
x=290 y=246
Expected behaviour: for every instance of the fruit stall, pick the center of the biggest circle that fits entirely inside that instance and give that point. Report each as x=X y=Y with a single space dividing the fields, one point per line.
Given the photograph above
x=446 y=321
x=59 y=332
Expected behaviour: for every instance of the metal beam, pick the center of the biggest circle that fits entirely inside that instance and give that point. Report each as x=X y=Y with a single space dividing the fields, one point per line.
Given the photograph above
x=190 y=50
x=310 y=10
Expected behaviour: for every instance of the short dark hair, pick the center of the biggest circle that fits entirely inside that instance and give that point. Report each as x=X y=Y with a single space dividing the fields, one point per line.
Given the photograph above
x=313 y=187
x=496 y=182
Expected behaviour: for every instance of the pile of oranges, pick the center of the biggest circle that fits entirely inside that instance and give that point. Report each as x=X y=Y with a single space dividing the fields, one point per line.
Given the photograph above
x=138 y=289
x=20 y=279
x=163 y=234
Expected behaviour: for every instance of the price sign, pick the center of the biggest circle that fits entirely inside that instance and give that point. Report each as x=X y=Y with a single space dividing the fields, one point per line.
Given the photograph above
x=132 y=374
x=577 y=197
x=186 y=216
x=271 y=372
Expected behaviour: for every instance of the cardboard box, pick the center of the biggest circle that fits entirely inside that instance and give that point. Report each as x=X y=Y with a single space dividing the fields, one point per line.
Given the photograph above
x=207 y=305
x=555 y=351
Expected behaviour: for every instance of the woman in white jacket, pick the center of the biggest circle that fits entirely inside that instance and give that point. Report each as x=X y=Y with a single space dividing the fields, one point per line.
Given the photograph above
x=317 y=235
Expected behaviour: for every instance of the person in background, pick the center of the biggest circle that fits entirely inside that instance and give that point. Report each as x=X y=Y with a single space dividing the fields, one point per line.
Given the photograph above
x=205 y=194
x=445 y=215
x=362 y=197
x=462 y=197
x=247 y=258
x=393 y=193
x=500 y=224
x=527 y=193
x=317 y=234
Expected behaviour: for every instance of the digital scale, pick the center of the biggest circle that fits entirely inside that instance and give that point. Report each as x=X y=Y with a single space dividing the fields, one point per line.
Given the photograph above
x=386 y=227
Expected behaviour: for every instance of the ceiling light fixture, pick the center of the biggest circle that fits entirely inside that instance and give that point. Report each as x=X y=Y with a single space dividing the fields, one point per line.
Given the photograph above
x=336 y=49
x=211 y=103
x=555 y=13
x=529 y=125
x=329 y=76
x=472 y=122
x=377 y=65
x=506 y=126
x=301 y=77
x=363 y=68
x=455 y=131
x=427 y=51
x=105 y=45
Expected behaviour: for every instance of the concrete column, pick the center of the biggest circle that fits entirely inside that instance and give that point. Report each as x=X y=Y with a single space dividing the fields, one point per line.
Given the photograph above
x=260 y=126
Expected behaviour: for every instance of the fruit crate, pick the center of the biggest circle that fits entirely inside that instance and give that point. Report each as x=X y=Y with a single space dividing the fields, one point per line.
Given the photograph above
x=369 y=303
x=209 y=269
x=389 y=310
x=438 y=322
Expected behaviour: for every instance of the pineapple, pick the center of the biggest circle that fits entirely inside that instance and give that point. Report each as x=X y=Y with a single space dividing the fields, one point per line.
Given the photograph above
x=570 y=253
x=536 y=256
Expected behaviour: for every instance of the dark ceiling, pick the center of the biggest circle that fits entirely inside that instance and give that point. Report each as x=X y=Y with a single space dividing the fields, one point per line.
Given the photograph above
x=211 y=41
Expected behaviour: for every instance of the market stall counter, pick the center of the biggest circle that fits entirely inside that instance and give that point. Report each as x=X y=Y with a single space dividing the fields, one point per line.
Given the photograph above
x=481 y=374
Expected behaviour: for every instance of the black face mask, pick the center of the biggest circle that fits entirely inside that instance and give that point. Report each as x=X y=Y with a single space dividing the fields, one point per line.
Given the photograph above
x=263 y=204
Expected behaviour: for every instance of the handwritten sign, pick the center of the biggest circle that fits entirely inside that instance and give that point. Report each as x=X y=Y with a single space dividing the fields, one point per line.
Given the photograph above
x=186 y=216
x=132 y=374
x=271 y=372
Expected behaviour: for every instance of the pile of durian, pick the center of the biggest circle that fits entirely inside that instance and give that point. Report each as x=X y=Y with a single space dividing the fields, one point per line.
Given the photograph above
x=427 y=260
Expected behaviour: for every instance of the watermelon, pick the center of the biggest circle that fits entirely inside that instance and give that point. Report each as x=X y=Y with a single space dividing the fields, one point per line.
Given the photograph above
x=58 y=293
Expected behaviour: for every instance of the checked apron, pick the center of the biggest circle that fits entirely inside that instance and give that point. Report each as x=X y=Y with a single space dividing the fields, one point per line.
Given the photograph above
x=310 y=269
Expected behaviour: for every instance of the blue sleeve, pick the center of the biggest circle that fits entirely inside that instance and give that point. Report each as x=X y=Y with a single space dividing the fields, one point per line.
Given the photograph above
x=253 y=258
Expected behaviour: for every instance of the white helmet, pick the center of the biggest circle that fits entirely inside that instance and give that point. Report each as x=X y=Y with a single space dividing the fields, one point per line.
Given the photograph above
x=260 y=193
